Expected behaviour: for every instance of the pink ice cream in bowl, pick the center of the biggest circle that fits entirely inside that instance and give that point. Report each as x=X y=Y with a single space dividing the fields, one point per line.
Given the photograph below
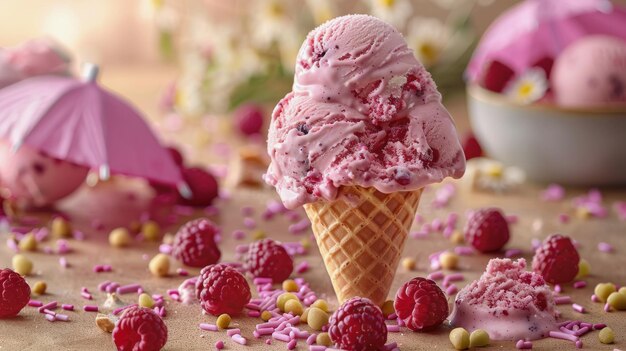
x=357 y=139
x=547 y=91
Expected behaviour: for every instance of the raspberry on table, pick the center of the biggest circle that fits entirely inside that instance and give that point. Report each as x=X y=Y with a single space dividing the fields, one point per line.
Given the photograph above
x=14 y=293
x=487 y=230
x=421 y=304
x=203 y=185
x=222 y=289
x=195 y=245
x=140 y=329
x=556 y=259
x=358 y=325
x=268 y=259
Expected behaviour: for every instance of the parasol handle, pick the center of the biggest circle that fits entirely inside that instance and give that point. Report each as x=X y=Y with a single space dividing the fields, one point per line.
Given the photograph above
x=90 y=72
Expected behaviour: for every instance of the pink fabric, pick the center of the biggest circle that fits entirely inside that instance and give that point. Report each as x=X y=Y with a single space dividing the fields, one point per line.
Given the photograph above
x=536 y=29
x=83 y=123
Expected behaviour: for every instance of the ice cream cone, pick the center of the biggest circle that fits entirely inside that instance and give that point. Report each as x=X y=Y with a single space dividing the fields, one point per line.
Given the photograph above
x=361 y=236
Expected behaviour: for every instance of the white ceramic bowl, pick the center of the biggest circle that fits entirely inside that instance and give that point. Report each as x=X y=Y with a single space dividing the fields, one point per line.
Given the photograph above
x=584 y=147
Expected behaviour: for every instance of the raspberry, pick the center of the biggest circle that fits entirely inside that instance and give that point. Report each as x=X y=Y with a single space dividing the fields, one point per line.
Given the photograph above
x=140 y=329
x=195 y=245
x=421 y=304
x=358 y=325
x=487 y=230
x=204 y=188
x=556 y=260
x=471 y=147
x=268 y=259
x=249 y=119
x=222 y=289
x=496 y=76
x=14 y=293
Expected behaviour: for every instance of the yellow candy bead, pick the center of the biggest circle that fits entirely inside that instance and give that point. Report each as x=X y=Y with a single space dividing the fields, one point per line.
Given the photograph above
x=223 y=321
x=266 y=315
x=617 y=301
x=295 y=307
x=159 y=265
x=22 y=265
x=145 y=300
x=283 y=298
x=151 y=231
x=39 y=288
x=606 y=336
x=409 y=263
x=316 y=318
x=460 y=338
x=583 y=269
x=120 y=237
x=479 y=338
x=323 y=339
x=61 y=228
x=388 y=308
x=321 y=304
x=290 y=285
x=603 y=290
x=448 y=260
x=28 y=243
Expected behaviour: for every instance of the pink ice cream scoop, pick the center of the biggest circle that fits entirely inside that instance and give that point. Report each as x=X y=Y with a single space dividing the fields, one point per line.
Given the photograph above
x=36 y=180
x=508 y=302
x=363 y=111
x=591 y=73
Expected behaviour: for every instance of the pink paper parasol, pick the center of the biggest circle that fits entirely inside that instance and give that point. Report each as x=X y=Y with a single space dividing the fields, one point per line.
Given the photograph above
x=80 y=122
x=540 y=29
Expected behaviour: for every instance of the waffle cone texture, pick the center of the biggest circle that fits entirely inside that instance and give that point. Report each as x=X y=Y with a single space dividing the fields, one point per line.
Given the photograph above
x=361 y=236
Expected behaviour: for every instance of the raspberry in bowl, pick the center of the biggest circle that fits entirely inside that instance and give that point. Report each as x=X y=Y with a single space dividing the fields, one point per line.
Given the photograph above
x=508 y=302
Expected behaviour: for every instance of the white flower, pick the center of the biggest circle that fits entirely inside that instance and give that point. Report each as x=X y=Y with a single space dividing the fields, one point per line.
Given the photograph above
x=492 y=176
x=394 y=12
x=529 y=87
x=429 y=38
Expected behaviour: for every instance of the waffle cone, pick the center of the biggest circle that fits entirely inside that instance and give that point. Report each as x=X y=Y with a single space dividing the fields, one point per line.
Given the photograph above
x=361 y=236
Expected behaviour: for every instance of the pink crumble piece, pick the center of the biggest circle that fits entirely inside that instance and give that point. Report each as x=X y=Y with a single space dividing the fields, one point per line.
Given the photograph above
x=563 y=218
x=63 y=262
x=605 y=247
x=302 y=267
x=620 y=209
x=553 y=192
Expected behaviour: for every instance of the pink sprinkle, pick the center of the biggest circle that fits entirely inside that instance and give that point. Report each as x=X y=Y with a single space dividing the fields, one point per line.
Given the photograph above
x=292 y=344
x=35 y=303
x=580 y=284
x=231 y=332
x=594 y=298
x=390 y=346
x=249 y=223
x=579 y=344
x=131 y=288
x=512 y=219
x=454 y=277
x=247 y=211
x=49 y=306
x=599 y=326
x=182 y=272
x=67 y=307
x=452 y=289
x=254 y=314
x=238 y=234
x=280 y=336
x=620 y=208
x=302 y=267
x=393 y=328
x=567 y=331
x=564 y=336
x=562 y=300
x=512 y=253
x=578 y=308
x=299 y=227
x=63 y=247
x=317 y=348
x=557 y=289
x=464 y=250
x=553 y=192
x=208 y=327
x=62 y=317
x=63 y=262
x=90 y=308
x=49 y=312
x=605 y=247
x=535 y=243
x=311 y=339
x=436 y=275
x=50 y=318
x=120 y=309
x=86 y=295
x=239 y=339
x=265 y=331
x=165 y=249
x=564 y=218
x=582 y=331
x=607 y=307
x=219 y=345
x=12 y=244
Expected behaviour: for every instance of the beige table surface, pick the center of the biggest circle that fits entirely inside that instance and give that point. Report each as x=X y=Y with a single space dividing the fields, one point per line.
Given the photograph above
x=30 y=331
